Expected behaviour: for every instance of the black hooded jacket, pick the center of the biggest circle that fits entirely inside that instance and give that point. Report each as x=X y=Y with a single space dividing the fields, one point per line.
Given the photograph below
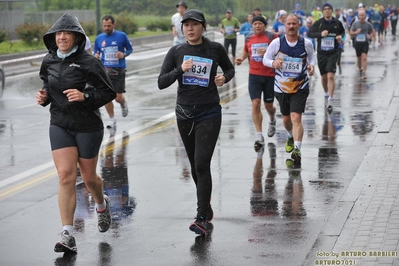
x=81 y=71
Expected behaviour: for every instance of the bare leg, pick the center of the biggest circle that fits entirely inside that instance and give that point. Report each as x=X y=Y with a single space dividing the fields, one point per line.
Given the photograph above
x=287 y=122
x=93 y=182
x=297 y=127
x=364 y=62
x=65 y=160
x=257 y=116
x=120 y=99
x=110 y=109
x=324 y=83
x=271 y=110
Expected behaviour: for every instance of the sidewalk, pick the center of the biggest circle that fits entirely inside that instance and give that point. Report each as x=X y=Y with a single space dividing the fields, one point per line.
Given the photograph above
x=364 y=227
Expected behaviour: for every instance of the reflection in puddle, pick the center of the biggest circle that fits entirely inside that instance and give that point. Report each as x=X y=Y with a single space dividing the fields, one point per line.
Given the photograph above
x=200 y=250
x=263 y=201
x=293 y=193
x=116 y=186
x=104 y=254
x=362 y=123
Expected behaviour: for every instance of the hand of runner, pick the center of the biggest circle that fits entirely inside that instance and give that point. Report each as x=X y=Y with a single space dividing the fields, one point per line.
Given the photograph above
x=219 y=80
x=41 y=96
x=74 y=95
x=187 y=65
x=238 y=61
x=310 y=70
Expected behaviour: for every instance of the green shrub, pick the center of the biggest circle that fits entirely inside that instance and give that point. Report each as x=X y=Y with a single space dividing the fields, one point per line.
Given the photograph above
x=124 y=23
x=89 y=27
x=162 y=24
x=3 y=36
x=31 y=33
x=211 y=21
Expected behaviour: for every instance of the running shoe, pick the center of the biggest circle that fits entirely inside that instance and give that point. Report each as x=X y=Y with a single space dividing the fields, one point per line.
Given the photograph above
x=296 y=155
x=289 y=144
x=325 y=100
x=199 y=226
x=104 y=217
x=260 y=140
x=272 y=129
x=125 y=110
x=66 y=244
x=111 y=123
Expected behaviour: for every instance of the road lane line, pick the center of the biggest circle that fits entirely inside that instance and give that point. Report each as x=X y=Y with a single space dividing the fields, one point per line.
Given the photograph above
x=25 y=174
x=19 y=187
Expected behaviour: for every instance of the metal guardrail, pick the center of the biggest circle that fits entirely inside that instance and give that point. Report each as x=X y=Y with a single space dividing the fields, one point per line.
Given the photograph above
x=22 y=59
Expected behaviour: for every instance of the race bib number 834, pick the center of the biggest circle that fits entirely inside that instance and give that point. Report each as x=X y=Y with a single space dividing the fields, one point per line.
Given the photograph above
x=199 y=73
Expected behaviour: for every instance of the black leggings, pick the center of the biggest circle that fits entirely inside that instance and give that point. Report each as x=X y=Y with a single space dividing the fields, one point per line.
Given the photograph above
x=233 y=43
x=393 y=27
x=199 y=139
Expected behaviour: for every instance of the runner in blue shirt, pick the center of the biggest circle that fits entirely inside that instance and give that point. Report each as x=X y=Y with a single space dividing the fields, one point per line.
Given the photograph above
x=299 y=13
x=247 y=26
x=112 y=46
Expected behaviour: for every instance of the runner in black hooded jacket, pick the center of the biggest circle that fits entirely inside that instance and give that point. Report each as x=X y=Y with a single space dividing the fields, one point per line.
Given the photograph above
x=75 y=85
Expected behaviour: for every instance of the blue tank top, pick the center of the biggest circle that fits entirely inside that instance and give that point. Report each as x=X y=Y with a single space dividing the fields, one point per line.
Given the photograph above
x=293 y=76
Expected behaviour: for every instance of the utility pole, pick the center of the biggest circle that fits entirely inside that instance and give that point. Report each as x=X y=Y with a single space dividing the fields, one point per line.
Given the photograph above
x=217 y=11
x=98 y=18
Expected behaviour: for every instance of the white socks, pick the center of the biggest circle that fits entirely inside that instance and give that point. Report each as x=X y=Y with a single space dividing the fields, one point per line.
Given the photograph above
x=69 y=228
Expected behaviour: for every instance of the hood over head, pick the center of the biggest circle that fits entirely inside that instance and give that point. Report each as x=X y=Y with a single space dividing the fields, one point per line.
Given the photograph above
x=67 y=22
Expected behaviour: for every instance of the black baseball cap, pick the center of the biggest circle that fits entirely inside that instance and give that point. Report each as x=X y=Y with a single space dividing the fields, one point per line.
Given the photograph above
x=193 y=14
x=181 y=3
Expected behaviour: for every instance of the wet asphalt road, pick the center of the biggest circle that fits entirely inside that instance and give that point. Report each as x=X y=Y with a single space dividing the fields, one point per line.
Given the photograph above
x=265 y=213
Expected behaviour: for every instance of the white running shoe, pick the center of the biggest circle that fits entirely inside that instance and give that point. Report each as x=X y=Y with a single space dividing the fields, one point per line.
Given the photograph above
x=272 y=129
x=111 y=123
x=67 y=243
x=260 y=139
x=125 y=110
x=104 y=218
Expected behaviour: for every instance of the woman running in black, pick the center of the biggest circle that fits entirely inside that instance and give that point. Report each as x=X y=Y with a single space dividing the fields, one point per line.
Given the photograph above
x=194 y=65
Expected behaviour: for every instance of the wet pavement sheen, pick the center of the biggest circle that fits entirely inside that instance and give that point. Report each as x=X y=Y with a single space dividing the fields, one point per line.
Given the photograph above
x=265 y=212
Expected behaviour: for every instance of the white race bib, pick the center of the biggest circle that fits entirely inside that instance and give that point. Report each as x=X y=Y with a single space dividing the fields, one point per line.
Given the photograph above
x=199 y=73
x=229 y=30
x=110 y=58
x=361 y=37
x=254 y=51
x=327 y=43
x=292 y=67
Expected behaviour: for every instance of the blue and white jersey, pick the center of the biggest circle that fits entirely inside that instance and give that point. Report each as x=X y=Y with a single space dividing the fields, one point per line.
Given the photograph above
x=295 y=58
